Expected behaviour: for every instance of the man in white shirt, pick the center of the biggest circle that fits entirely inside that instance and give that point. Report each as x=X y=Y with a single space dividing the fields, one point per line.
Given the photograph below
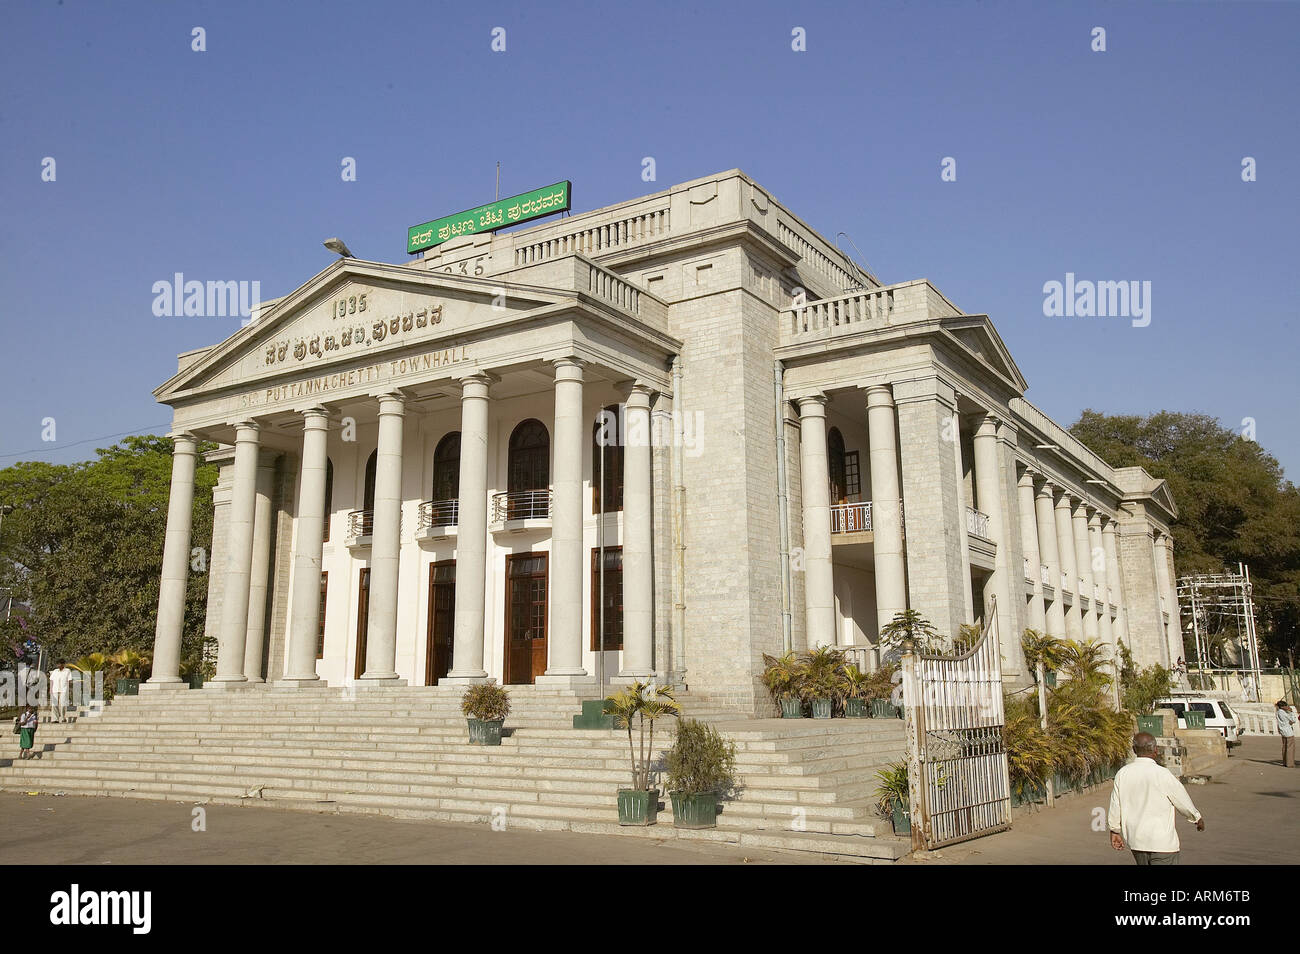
x=1142 y=806
x=60 y=683
x=1286 y=723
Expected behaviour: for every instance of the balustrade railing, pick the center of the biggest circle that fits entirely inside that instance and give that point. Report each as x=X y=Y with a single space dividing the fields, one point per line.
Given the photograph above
x=1045 y=574
x=361 y=523
x=977 y=523
x=437 y=513
x=521 y=505
x=851 y=517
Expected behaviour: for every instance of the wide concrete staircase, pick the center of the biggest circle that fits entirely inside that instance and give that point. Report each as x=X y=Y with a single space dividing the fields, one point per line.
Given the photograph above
x=404 y=752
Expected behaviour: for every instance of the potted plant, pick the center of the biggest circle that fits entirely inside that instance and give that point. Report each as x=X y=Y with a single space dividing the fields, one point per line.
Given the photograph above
x=880 y=691
x=131 y=667
x=785 y=678
x=893 y=798
x=825 y=666
x=701 y=767
x=855 y=690
x=487 y=705
x=639 y=805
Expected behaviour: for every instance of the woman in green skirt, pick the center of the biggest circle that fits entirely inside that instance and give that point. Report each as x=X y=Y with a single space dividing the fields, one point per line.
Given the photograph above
x=27 y=723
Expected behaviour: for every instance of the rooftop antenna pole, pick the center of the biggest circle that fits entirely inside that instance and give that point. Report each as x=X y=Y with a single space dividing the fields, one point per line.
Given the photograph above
x=498 y=195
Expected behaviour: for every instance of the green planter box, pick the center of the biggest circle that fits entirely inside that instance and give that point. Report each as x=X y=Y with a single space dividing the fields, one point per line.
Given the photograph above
x=883 y=709
x=637 y=808
x=1153 y=724
x=855 y=708
x=791 y=709
x=484 y=732
x=902 y=819
x=694 y=811
x=1194 y=720
x=195 y=681
x=1050 y=680
x=822 y=708
x=131 y=687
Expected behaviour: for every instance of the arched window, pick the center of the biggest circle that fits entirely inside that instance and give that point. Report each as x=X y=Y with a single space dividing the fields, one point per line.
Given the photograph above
x=529 y=465
x=446 y=468
x=607 y=460
x=368 y=500
x=329 y=495
x=835 y=463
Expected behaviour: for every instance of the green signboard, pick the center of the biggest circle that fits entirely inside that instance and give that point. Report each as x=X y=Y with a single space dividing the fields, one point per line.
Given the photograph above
x=490 y=217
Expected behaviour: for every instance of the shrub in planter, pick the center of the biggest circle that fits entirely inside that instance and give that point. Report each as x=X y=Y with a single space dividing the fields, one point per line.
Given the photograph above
x=785 y=677
x=487 y=706
x=701 y=767
x=643 y=704
x=824 y=684
x=893 y=798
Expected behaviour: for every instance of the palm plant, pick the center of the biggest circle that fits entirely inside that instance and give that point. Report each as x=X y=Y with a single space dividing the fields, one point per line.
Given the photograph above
x=132 y=664
x=825 y=668
x=1085 y=662
x=93 y=663
x=855 y=684
x=784 y=676
x=891 y=787
x=1042 y=648
x=910 y=627
x=644 y=703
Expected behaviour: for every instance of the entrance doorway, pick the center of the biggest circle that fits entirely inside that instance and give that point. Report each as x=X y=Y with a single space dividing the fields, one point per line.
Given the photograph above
x=525 y=654
x=442 y=619
x=363 y=614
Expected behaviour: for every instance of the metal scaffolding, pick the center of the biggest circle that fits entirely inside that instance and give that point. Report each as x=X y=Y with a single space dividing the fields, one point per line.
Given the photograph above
x=1222 y=615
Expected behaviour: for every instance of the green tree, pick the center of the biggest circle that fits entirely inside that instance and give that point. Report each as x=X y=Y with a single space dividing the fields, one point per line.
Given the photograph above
x=1234 y=505
x=83 y=546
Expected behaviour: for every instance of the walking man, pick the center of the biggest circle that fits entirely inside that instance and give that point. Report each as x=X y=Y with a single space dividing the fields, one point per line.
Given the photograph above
x=60 y=682
x=1142 y=806
x=1286 y=723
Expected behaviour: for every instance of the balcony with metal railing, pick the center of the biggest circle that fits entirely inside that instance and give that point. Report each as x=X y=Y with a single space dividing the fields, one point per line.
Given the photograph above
x=521 y=510
x=1045 y=574
x=361 y=528
x=977 y=523
x=858 y=518
x=437 y=519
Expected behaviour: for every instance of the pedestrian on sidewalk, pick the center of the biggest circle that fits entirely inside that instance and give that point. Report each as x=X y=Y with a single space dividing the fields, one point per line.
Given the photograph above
x=60 y=684
x=1142 y=806
x=27 y=723
x=1286 y=723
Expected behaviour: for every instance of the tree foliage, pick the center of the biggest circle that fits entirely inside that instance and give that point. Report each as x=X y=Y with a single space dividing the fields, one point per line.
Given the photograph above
x=83 y=546
x=1234 y=505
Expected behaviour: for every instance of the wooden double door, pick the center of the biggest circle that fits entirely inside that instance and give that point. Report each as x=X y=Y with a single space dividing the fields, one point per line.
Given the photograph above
x=442 y=621
x=526 y=596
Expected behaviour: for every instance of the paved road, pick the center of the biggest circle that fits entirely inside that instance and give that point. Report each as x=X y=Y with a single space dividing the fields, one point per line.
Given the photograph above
x=1252 y=816
x=85 y=830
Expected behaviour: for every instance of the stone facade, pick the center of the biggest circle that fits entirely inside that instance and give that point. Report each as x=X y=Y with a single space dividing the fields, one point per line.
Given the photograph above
x=695 y=308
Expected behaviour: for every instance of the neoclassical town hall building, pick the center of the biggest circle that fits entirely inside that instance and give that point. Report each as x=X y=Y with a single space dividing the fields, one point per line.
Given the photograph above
x=657 y=439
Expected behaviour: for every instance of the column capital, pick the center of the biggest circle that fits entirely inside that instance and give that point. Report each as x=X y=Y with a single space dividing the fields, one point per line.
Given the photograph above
x=315 y=418
x=1046 y=489
x=812 y=405
x=1065 y=500
x=246 y=431
x=183 y=442
x=988 y=425
x=476 y=385
x=571 y=365
x=635 y=386
x=880 y=395
x=391 y=402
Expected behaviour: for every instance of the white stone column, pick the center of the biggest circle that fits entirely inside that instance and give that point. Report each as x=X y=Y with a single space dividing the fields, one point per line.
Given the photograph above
x=262 y=537
x=1115 y=580
x=1069 y=571
x=564 y=638
x=886 y=505
x=1174 y=628
x=385 y=547
x=638 y=560
x=988 y=496
x=1049 y=547
x=308 y=541
x=175 y=567
x=471 y=533
x=819 y=583
x=1029 y=542
x=1083 y=560
x=969 y=611
x=239 y=560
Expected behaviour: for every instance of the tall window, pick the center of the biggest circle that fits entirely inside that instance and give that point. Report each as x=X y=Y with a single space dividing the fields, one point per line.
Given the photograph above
x=611 y=608
x=329 y=495
x=607 y=438
x=835 y=463
x=529 y=465
x=446 y=468
x=852 y=476
x=320 y=639
x=368 y=498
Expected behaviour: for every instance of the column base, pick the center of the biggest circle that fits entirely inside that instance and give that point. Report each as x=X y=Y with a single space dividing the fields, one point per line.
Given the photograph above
x=566 y=680
x=167 y=685
x=380 y=681
x=225 y=684
x=463 y=679
x=303 y=682
x=626 y=678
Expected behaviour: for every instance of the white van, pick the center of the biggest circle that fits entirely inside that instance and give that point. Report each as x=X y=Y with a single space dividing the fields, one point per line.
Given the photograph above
x=1217 y=714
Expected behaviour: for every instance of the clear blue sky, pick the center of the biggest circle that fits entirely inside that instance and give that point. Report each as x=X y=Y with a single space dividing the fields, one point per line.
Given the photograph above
x=225 y=165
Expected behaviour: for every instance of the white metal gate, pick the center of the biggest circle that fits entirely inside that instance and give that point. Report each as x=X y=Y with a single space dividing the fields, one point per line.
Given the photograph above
x=957 y=762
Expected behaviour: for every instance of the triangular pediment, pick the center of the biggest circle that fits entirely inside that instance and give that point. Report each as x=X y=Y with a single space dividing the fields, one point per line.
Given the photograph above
x=352 y=310
x=976 y=334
